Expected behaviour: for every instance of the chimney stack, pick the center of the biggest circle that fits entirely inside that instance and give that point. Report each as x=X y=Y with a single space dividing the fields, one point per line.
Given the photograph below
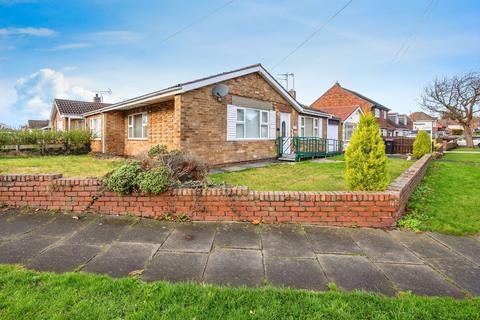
x=97 y=98
x=293 y=93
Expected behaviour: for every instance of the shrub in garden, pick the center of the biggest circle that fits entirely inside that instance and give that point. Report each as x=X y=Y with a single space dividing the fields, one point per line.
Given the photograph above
x=457 y=132
x=156 y=180
x=365 y=159
x=124 y=179
x=76 y=140
x=421 y=145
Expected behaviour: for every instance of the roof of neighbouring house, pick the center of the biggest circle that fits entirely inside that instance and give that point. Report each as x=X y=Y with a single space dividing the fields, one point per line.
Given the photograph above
x=342 y=112
x=38 y=124
x=419 y=116
x=206 y=81
x=361 y=96
x=75 y=107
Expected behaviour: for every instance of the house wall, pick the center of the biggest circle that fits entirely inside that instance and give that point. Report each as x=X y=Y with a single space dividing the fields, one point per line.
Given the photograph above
x=56 y=117
x=204 y=122
x=95 y=144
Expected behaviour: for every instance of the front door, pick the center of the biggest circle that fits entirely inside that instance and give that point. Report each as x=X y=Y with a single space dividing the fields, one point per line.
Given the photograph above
x=285 y=131
x=332 y=135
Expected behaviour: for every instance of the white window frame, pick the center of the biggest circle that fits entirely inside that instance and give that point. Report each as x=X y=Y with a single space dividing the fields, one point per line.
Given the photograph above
x=130 y=124
x=244 y=123
x=96 y=127
x=315 y=126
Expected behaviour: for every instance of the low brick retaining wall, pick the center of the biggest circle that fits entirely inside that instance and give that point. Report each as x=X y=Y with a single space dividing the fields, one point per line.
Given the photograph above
x=365 y=209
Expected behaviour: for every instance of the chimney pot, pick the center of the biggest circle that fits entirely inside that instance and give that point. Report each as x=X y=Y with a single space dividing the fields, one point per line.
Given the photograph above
x=97 y=98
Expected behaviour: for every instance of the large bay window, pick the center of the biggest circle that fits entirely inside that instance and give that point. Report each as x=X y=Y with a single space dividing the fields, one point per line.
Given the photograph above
x=137 y=126
x=309 y=127
x=96 y=127
x=251 y=123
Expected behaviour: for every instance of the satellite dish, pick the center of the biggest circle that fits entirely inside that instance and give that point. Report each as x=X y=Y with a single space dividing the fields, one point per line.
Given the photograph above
x=220 y=90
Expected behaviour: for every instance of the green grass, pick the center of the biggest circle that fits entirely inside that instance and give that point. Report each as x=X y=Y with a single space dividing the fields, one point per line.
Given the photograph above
x=466 y=157
x=300 y=176
x=30 y=295
x=466 y=149
x=447 y=200
x=70 y=166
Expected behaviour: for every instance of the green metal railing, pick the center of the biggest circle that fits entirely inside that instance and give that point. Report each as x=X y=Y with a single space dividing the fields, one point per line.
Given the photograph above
x=307 y=147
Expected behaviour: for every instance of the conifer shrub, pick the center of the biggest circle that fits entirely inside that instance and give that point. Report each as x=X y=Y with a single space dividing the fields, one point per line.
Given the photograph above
x=365 y=158
x=421 y=145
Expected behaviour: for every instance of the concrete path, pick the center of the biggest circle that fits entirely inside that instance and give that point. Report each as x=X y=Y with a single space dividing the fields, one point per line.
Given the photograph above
x=241 y=254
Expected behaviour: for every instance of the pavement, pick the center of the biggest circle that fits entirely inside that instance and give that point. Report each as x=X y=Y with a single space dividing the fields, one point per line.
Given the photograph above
x=241 y=254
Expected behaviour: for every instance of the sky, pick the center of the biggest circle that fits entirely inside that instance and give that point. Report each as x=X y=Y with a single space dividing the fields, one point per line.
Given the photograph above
x=386 y=50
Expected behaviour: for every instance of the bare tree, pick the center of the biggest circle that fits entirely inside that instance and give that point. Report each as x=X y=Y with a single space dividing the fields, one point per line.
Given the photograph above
x=456 y=98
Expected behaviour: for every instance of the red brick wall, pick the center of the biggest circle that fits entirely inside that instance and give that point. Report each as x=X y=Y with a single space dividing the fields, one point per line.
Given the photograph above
x=336 y=96
x=365 y=209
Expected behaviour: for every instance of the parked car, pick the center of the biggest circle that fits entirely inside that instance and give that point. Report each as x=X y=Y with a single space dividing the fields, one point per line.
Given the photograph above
x=463 y=143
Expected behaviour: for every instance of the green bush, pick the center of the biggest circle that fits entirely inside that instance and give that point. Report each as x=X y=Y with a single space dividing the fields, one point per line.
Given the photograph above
x=365 y=159
x=154 y=181
x=124 y=179
x=421 y=145
x=76 y=140
x=457 y=132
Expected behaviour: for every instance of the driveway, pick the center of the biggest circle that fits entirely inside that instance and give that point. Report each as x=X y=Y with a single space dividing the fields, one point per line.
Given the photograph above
x=241 y=254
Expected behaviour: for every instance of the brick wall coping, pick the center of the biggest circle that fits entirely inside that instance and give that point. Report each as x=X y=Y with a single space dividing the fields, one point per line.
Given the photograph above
x=402 y=181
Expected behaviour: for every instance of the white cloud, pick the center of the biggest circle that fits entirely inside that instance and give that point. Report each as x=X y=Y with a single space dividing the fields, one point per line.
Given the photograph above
x=29 y=31
x=36 y=92
x=69 y=46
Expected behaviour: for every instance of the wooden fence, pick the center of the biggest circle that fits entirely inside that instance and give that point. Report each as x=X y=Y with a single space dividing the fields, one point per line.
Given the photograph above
x=401 y=145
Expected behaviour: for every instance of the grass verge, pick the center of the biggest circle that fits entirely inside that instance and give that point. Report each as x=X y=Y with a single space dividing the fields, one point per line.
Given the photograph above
x=465 y=157
x=69 y=166
x=300 y=176
x=31 y=295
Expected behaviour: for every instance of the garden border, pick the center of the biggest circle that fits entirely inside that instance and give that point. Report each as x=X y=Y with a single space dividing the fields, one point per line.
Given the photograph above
x=345 y=208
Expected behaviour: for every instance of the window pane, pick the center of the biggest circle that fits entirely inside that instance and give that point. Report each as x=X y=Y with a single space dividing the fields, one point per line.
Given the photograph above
x=315 y=132
x=309 y=127
x=264 y=131
x=137 y=126
x=144 y=118
x=240 y=115
x=302 y=132
x=130 y=120
x=252 y=118
x=239 y=131
x=302 y=121
x=264 y=117
x=130 y=132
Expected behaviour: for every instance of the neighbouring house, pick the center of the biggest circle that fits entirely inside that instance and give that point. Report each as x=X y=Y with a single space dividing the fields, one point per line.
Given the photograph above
x=230 y=117
x=448 y=125
x=37 y=125
x=349 y=116
x=422 y=121
x=3 y=126
x=338 y=96
x=67 y=115
x=400 y=123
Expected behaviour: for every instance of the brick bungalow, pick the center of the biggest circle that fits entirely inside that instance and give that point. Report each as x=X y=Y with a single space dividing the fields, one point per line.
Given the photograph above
x=230 y=117
x=68 y=114
x=338 y=96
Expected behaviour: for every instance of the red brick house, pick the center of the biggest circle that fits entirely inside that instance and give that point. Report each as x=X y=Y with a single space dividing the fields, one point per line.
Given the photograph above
x=338 y=96
x=230 y=117
x=68 y=114
x=349 y=116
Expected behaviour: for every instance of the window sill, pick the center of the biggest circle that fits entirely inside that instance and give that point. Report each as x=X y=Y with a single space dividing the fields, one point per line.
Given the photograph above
x=252 y=139
x=97 y=139
x=138 y=139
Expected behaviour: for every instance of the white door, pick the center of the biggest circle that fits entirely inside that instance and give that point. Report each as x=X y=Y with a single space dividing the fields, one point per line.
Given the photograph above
x=285 y=131
x=332 y=133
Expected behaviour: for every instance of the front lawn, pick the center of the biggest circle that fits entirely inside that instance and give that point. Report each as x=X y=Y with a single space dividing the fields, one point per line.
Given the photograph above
x=467 y=157
x=69 y=166
x=447 y=200
x=31 y=295
x=300 y=176
x=466 y=149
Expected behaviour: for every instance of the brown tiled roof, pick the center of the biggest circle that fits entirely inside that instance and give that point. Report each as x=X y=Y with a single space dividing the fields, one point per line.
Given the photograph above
x=342 y=112
x=420 y=116
x=37 y=124
x=75 y=107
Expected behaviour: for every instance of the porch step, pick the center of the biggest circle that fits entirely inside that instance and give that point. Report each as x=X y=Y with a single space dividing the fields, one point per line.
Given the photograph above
x=287 y=157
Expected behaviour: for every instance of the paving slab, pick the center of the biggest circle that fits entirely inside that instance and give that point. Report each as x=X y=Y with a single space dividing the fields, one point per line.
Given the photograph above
x=238 y=235
x=101 y=232
x=295 y=273
x=191 y=237
x=21 y=223
x=463 y=273
x=121 y=259
x=381 y=247
x=64 y=258
x=468 y=247
x=63 y=225
x=424 y=246
x=176 y=266
x=354 y=273
x=148 y=231
x=235 y=267
x=20 y=250
x=420 y=280
x=285 y=241
x=332 y=240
